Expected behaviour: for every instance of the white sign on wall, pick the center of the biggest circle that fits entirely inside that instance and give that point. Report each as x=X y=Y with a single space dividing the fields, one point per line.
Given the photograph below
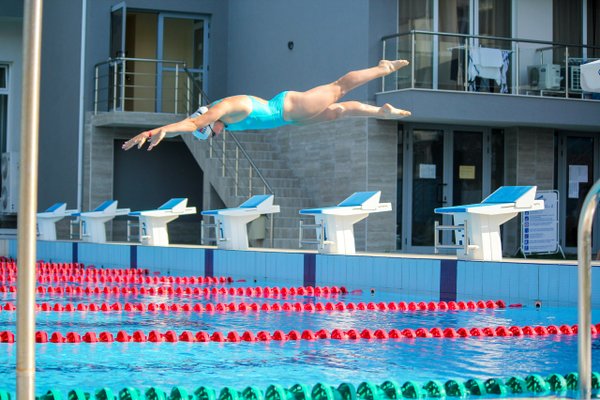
x=539 y=229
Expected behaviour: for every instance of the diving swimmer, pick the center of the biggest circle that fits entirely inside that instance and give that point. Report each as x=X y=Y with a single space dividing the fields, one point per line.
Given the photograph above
x=241 y=113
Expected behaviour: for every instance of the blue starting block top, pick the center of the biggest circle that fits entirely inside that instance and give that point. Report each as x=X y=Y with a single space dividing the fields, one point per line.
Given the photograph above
x=355 y=200
x=169 y=205
x=253 y=202
x=100 y=208
x=503 y=195
x=54 y=207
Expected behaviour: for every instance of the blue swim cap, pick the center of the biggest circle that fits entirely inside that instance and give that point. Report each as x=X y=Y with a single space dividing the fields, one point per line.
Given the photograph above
x=208 y=130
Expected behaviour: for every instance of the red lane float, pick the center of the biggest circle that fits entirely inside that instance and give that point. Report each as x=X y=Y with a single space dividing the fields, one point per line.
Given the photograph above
x=309 y=335
x=243 y=307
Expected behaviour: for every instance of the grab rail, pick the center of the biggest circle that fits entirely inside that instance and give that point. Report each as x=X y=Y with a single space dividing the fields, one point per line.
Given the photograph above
x=584 y=296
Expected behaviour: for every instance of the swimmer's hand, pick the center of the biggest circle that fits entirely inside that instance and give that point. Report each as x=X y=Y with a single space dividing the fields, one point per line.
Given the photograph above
x=154 y=136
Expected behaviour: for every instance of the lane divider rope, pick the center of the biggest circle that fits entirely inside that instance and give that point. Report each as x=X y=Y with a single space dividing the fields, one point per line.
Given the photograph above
x=294 y=335
x=534 y=385
x=257 y=291
x=272 y=307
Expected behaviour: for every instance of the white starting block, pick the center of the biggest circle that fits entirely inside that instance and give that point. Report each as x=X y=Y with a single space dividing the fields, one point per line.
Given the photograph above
x=153 y=223
x=482 y=221
x=334 y=225
x=93 y=222
x=46 y=221
x=590 y=76
x=230 y=223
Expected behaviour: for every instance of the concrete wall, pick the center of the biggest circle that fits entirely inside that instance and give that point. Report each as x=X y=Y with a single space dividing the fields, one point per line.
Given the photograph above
x=59 y=103
x=330 y=38
x=11 y=53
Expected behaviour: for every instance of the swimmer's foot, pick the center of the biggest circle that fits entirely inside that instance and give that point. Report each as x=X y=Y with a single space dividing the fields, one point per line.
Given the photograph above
x=394 y=65
x=387 y=111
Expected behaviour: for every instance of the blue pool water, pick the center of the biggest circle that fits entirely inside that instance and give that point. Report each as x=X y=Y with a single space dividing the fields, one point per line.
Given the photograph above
x=142 y=365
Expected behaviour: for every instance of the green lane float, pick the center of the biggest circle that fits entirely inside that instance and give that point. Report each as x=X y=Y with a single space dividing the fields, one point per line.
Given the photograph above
x=301 y=391
x=536 y=384
x=533 y=385
x=412 y=390
x=205 y=393
x=392 y=389
x=179 y=393
x=77 y=394
x=229 y=393
x=455 y=388
x=475 y=387
x=155 y=393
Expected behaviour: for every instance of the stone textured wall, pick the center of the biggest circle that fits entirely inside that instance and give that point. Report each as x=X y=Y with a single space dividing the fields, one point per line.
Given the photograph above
x=335 y=159
x=529 y=160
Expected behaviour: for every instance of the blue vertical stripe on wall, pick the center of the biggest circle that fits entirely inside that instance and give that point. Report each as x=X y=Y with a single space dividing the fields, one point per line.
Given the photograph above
x=310 y=269
x=75 y=256
x=133 y=257
x=209 y=268
x=448 y=274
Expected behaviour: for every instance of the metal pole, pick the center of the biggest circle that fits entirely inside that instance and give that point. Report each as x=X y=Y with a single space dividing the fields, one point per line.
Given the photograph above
x=412 y=62
x=584 y=261
x=26 y=234
x=176 y=85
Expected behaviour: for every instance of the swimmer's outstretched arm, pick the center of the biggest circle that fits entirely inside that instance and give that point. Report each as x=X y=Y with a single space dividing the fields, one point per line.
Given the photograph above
x=188 y=125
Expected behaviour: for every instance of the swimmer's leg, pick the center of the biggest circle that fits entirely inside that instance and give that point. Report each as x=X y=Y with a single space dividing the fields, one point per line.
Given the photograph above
x=299 y=106
x=357 y=109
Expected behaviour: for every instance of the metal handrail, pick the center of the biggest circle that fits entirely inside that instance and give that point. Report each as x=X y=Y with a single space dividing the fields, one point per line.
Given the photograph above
x=469 y=41
x=584 y=294
x=436 y=240
x=485 y=37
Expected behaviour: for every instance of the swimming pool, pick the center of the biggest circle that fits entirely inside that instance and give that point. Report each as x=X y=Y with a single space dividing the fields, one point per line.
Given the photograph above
x=91 y=366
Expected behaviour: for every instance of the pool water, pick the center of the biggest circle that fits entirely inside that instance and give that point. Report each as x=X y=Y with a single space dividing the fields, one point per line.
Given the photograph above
x=90 y=366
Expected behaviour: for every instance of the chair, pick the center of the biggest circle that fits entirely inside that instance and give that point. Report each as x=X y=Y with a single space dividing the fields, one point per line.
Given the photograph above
x=230 y=223
x=477 y=226
x=153 y=223
x=46 y=220
x=93 y=222
x=334 y=225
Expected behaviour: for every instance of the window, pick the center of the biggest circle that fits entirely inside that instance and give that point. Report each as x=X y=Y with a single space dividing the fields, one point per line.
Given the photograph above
x=3 y=106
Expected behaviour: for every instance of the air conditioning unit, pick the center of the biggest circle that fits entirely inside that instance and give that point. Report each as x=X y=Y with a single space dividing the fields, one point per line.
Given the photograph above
x=9 y=191
x=544 y=77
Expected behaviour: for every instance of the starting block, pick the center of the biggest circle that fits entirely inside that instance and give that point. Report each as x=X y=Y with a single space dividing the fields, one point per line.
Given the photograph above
x=93 y=227
x=230 y=223
x=334 y=225
x=46 y=221
x=477 y=226
x=153 y=223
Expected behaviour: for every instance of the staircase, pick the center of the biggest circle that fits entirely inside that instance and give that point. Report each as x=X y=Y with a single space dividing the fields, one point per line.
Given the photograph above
x=235 y=179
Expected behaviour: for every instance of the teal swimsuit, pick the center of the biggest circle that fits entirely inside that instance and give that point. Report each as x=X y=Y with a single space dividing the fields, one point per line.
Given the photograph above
x=263 y=116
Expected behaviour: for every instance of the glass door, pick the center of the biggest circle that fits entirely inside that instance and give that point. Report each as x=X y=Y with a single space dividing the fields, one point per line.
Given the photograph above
x=182 y=38
x=442 y=167
x=427 y=188
x=467 y=177
x=118 y=25
x=577 y=166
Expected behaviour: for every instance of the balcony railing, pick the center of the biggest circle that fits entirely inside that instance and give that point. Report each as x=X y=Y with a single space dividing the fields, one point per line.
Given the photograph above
x=457 y=62
x=146 y=85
